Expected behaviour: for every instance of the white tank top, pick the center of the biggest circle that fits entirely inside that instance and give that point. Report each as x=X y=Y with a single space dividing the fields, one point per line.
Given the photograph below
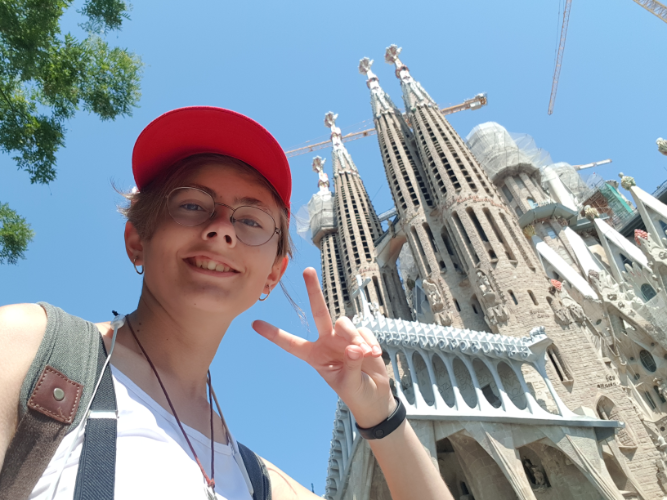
x=153 y=460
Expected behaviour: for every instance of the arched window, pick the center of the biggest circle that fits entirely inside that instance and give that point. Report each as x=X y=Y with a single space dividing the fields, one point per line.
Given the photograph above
x=456 y=303
x=647 y=360
x=532 y=297
x=518 y=211
x=648 y=292
x=513 y=297
x=532 y=203
x=563 y=371
x=507 y=193
x=625 y=260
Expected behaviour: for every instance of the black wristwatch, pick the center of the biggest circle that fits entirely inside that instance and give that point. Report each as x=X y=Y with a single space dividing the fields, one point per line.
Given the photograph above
x=386 y=427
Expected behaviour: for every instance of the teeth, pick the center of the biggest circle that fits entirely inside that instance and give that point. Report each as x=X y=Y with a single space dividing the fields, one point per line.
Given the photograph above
x=212 y=266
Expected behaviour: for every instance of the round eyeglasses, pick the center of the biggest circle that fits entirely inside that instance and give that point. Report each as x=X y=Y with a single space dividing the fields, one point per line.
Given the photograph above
x=190 y=206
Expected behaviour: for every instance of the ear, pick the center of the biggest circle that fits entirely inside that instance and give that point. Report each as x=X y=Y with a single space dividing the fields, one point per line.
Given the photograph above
x=133 y=245
x=277 y=270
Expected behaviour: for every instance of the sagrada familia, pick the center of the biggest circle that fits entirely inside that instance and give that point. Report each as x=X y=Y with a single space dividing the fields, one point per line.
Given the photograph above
x=519 y=310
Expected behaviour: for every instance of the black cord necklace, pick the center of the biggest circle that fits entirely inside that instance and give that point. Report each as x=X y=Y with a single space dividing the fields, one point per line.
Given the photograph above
x=210 y=482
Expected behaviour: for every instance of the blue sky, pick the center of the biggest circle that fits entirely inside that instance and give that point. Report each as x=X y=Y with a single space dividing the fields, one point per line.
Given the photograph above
x=286 y=64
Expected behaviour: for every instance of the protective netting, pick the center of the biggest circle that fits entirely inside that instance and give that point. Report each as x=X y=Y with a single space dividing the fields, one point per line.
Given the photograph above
x=570 y=177
x=318 y=214
x=407 y=267
x=497 y=150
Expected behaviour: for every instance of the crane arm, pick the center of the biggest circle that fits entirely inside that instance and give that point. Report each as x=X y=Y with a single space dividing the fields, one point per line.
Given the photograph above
x=559 y=57
x=475 y=103
x=654 y=7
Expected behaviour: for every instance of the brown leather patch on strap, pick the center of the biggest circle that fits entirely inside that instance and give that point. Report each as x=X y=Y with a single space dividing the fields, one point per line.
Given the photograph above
x=56 y=396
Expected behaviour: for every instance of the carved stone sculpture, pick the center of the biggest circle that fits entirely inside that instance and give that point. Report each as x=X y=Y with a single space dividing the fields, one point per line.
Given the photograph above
x=437 y=304
x=488 y=294
x=497 y=314
x=529 y=231
x=365 y=65
x=591 y=212
x=535 y=475
x=626 y=181
x=574 y=309
x=392 y=53
x=318 y=166
x=662 y=387
x=662 y=145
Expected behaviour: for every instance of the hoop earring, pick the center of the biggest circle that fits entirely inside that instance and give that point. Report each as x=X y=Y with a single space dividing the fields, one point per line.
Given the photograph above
x=267 y=295
x=134 y=263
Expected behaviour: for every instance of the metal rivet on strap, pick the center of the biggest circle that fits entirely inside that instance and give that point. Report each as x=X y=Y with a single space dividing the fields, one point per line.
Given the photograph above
x=58 y=394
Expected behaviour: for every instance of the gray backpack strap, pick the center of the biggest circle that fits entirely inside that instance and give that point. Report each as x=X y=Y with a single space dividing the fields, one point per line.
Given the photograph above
x=67 y=361
x=259 y=476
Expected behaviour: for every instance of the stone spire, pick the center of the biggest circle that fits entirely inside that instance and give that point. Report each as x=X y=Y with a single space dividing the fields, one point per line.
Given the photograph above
x=358 y=229
x=413 y=92
x=399 y=152
x=324 y=235
x=473 y=221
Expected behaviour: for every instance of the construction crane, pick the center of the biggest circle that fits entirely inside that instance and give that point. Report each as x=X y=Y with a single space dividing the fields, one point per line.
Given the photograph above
x=475 y=103
x=654 y=7
x=591 y=165
x=559 y=56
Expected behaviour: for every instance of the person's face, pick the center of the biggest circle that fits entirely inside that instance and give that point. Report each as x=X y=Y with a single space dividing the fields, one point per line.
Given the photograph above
x=176 y=259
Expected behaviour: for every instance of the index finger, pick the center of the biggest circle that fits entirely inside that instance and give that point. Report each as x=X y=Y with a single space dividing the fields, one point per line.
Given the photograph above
x=318 y=306
x=291 y=343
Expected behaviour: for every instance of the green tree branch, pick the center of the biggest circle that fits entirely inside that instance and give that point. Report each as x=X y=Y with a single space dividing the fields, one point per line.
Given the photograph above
x=45 y=77
x=15 y=234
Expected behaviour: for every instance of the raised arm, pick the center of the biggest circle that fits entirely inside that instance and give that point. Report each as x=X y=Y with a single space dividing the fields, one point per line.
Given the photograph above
x=350 y=361
x=22 y=328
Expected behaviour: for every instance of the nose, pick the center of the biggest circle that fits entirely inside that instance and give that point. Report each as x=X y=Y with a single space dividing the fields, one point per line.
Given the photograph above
x=220 y=227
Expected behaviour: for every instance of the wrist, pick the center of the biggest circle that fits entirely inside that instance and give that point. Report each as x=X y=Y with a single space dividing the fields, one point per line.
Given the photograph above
x=386 y=426
x=374 y=414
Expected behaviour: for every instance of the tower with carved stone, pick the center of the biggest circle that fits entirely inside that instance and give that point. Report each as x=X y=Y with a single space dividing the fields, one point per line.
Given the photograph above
x=500 y=364
x=358 y=230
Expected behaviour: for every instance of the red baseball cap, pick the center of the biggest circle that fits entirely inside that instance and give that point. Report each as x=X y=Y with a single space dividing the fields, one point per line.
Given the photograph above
x=193 y=130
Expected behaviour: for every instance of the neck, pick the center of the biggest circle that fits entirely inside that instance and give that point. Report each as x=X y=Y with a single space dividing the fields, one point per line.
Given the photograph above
x=181 y=342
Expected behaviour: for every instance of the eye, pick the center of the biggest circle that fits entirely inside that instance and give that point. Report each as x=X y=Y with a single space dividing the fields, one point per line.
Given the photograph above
x=192 y=207
x=250 y=222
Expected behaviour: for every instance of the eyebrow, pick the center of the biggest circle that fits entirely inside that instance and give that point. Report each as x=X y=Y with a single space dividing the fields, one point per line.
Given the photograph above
x=246 y=200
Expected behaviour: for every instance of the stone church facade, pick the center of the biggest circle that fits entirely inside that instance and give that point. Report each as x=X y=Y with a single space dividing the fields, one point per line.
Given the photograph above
x=522 y=332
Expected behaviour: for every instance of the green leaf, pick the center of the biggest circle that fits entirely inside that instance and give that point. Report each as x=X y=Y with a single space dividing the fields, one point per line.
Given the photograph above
x=15 y=234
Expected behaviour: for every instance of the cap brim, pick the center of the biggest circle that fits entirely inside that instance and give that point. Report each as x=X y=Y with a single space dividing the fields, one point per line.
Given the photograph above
x=195 y=130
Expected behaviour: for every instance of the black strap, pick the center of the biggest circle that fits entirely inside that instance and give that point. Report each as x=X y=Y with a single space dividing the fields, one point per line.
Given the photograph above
x=259 y=476
x=97 y=466
x=387 y=426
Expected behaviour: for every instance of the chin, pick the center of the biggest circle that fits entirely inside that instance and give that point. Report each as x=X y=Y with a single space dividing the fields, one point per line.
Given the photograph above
x=217 y=301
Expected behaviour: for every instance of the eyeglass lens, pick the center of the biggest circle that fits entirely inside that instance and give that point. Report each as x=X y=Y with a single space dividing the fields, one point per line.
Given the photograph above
x=192 y=207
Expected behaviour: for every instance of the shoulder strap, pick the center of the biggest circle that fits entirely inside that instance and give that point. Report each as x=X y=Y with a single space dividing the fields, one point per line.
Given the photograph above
x=259 y=476
x=96 y=476
x=65 y=361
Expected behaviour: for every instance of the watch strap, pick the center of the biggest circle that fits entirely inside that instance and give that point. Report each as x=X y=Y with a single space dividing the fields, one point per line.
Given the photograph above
x=387 y=426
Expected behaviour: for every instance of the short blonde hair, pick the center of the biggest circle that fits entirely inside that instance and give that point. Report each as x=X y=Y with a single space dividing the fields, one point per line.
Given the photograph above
x=147 y=207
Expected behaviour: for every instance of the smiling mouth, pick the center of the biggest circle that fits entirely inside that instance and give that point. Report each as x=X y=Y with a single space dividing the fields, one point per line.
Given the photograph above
x=210 y=265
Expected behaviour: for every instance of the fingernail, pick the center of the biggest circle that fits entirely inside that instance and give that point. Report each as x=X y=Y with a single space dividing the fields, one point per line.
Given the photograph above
x=366 y=348
x=353 y=354
x=376 y=350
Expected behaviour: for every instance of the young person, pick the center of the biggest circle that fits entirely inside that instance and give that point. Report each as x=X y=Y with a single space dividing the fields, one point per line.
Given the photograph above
x=208 y=229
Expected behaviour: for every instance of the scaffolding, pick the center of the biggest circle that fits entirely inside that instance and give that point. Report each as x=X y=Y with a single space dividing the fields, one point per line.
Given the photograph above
x=316 y=218
x=499 y=151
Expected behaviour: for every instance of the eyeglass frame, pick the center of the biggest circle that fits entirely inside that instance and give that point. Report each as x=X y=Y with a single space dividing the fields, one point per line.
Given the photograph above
x=276 y=230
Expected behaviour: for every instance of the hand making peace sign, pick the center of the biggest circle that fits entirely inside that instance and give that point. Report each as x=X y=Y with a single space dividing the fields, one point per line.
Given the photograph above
x=348 y=358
